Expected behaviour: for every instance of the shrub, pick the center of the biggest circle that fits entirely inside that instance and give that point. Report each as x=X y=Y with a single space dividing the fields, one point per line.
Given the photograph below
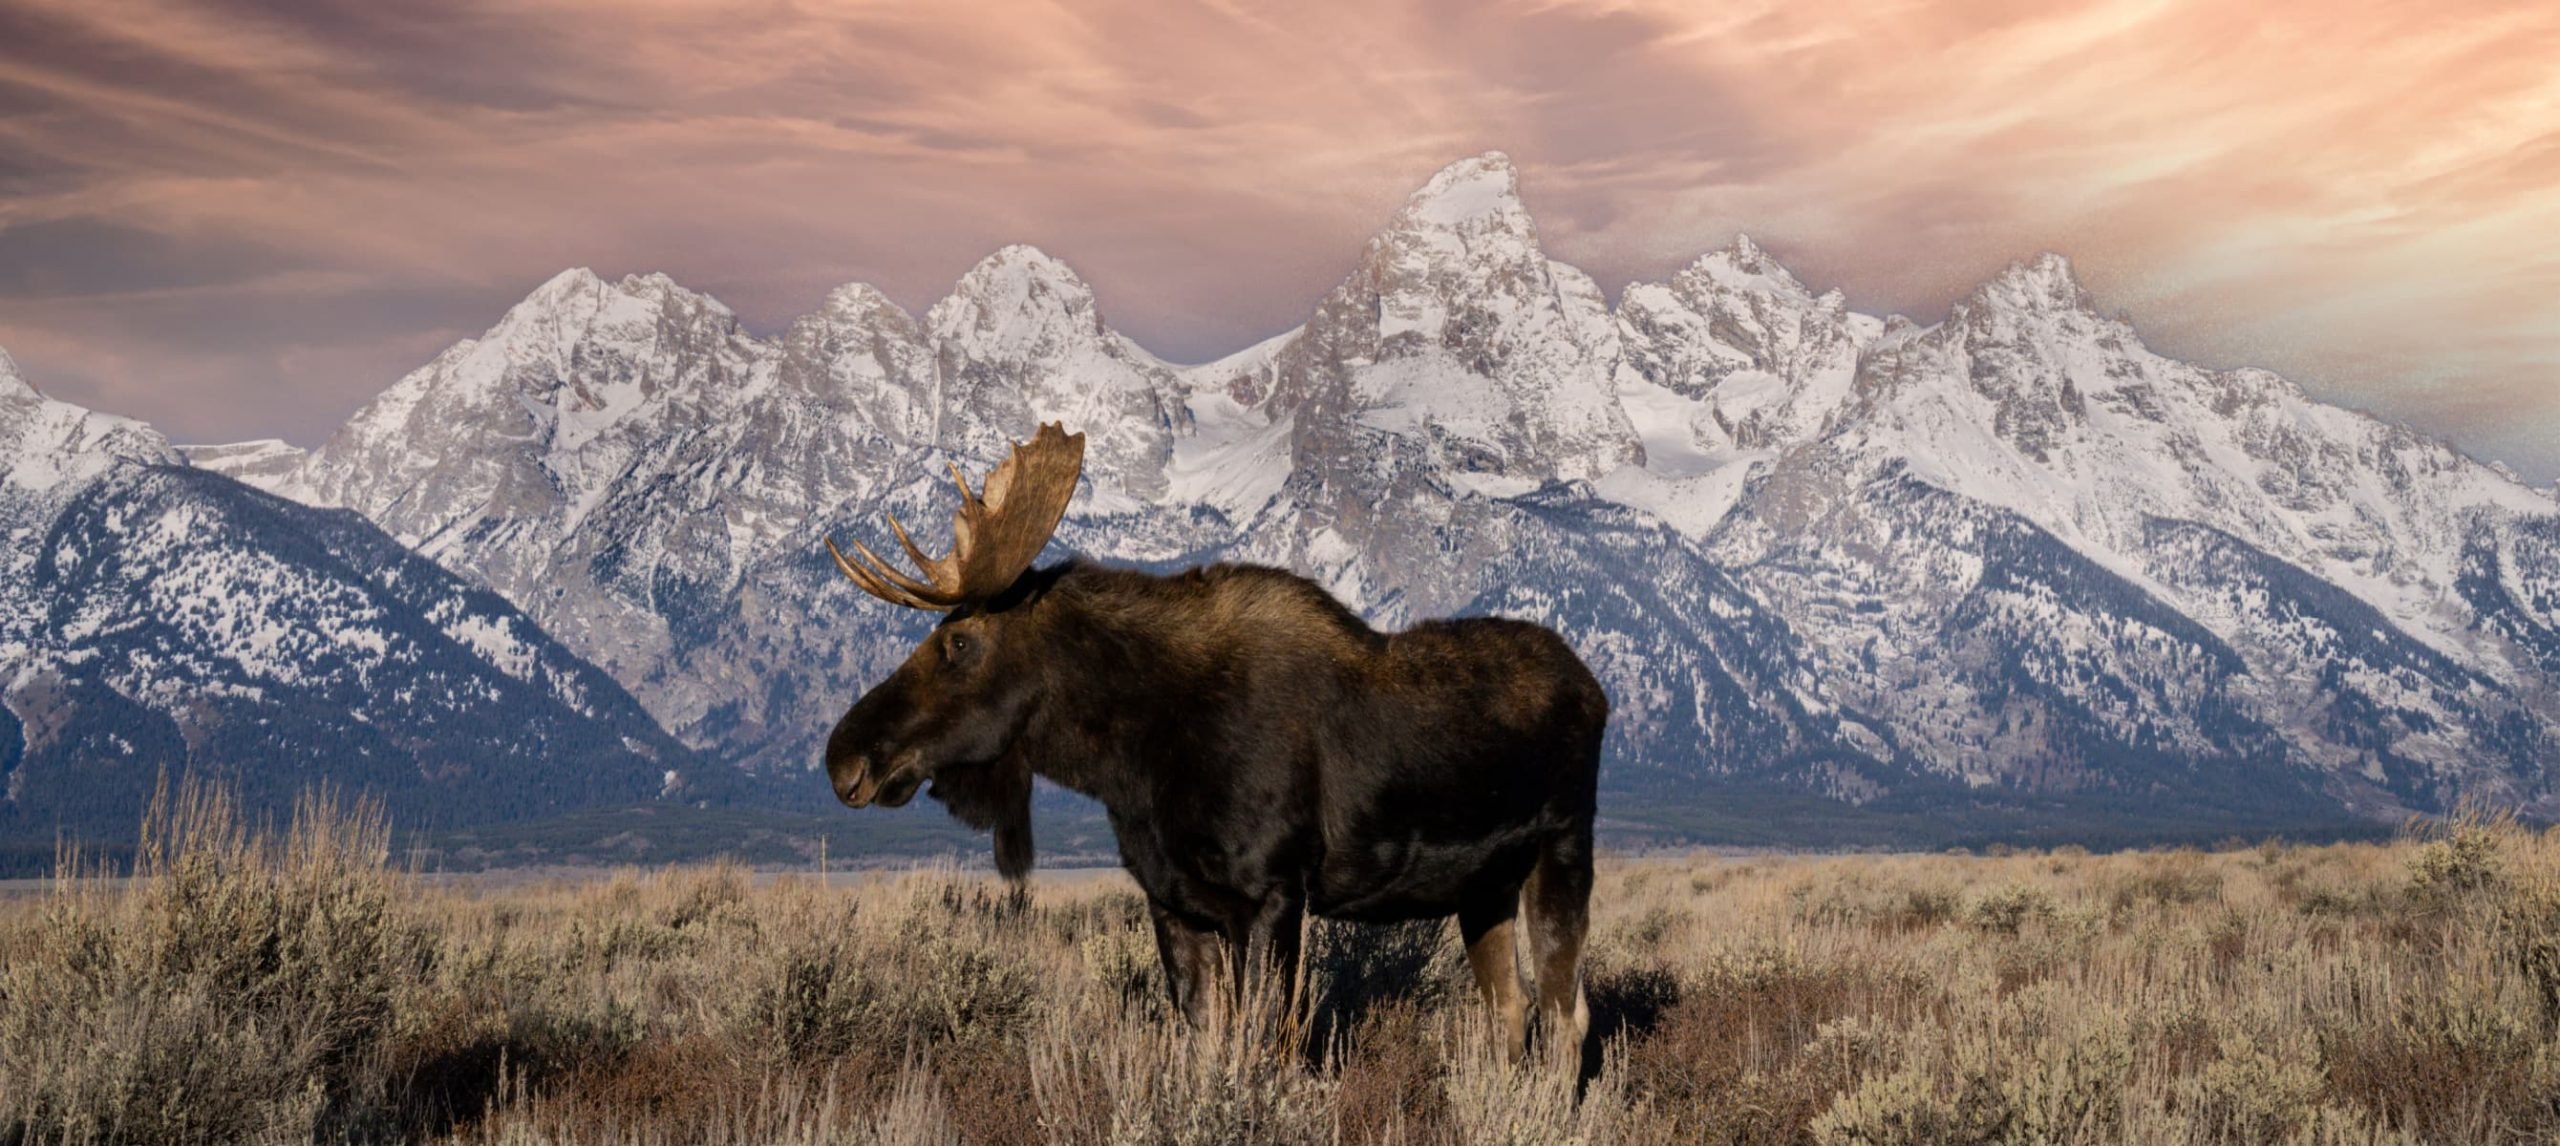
x=2249 y=1093
x=289 y=987
x=1168 y=1084
x=236 y=987
x=1919 y=1105
x=2003 y=910
x=812 y=998
x=2464 y=858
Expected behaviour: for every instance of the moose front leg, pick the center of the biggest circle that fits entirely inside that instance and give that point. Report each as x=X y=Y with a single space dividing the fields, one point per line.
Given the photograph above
x=1265 y=947
x=1190 y=956
x=1262 y=943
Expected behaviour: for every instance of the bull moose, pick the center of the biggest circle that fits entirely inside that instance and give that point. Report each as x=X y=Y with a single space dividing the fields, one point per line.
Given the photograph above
x=1260 y=750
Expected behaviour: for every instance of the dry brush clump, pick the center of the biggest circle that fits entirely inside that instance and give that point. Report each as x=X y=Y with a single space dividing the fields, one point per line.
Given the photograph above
x=298 y=986
x=242 y=985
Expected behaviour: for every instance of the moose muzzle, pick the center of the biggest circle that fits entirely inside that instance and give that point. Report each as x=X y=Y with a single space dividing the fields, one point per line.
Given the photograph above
x=860 y=783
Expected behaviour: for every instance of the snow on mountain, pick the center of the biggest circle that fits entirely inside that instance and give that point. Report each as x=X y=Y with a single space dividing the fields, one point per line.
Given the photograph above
x=1237 y=456
x=49 y=451
x=1766 y=359
x=2027 y=398
x=614 y=456
x=1457 y=337
x=2321 y=549
x=1728 y=363
x=52 y=445
x=649 y=481
x=1456 y=366
x=263 y=462
x=162 y=617
x=1021 y=342
x=2012 y=552
x=861 y=349
x=558 y=380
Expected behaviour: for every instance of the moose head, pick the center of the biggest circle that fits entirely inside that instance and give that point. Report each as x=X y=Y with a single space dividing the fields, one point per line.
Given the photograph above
x=951 y=713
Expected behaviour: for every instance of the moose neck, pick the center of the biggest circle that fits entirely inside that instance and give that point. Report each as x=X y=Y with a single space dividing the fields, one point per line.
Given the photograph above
x=1112 y=656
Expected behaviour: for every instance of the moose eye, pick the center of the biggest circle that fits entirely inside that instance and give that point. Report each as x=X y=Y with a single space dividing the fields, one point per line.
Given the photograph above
x=956 y=647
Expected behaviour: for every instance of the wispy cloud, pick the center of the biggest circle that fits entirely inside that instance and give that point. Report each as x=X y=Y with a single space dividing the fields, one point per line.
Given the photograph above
x=238 y=217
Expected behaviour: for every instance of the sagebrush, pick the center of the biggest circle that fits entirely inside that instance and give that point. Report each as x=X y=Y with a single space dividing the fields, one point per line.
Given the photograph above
x=299 y=987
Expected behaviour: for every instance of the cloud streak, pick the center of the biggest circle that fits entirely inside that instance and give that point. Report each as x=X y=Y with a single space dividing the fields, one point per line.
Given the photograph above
x=243 y=218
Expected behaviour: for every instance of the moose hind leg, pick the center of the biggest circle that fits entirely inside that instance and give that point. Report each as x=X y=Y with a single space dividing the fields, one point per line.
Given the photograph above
x=1558 y=903
x=1492 y=939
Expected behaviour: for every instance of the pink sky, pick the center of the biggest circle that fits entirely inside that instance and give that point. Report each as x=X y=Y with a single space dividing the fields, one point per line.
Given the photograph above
x=241 y=218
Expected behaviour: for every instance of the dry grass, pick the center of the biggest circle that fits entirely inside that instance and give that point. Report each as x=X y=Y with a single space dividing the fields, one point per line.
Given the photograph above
x=261 y=987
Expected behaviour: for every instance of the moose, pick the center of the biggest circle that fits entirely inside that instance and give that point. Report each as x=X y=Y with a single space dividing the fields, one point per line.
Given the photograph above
x=1260 y=751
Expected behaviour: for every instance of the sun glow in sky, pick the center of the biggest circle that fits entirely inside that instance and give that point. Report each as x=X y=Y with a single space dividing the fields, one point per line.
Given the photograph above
x=242 y=218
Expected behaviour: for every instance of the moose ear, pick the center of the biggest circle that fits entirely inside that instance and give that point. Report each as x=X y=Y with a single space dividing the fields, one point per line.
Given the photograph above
x=994 y=796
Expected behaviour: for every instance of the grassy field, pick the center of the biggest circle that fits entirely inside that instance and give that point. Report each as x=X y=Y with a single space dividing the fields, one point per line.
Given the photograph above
x=295 y=987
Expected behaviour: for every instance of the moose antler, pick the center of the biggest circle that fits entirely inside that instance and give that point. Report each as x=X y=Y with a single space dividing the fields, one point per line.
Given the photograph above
x=994 y=538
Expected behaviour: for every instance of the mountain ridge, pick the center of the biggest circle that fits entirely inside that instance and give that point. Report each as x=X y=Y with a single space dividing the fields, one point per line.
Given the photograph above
x=2013 y=553
x=159 y=619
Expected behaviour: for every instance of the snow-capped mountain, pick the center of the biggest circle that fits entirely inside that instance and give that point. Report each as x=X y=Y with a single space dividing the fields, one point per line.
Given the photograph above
x=648 y=481
x=1019 y=341
x=51 y=451
x=1455 y=367
x=2321 y=549
x=1489 y=362
x=163 y=618
x=2014 y=553
x=614 y=457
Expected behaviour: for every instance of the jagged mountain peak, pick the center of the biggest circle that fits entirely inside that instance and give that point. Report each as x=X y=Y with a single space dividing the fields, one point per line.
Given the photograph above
x=569 y=283
x=2038 y=346
x=1482 y=190
x=578 y=305
x=1020 y=340
x=861 y=302
x=2044 y=283
x=2031 y=399
x=539 y=416
x=13 y=382
x=1754 y=359
x=1456 y=358
x=1024 y=262
x=1467 y=222
x=1746 y=267
x=863 y=352
x=1744 y=262
x=579 y=282
x=1019 y=273
x=1019 y=301
x=48 y=444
